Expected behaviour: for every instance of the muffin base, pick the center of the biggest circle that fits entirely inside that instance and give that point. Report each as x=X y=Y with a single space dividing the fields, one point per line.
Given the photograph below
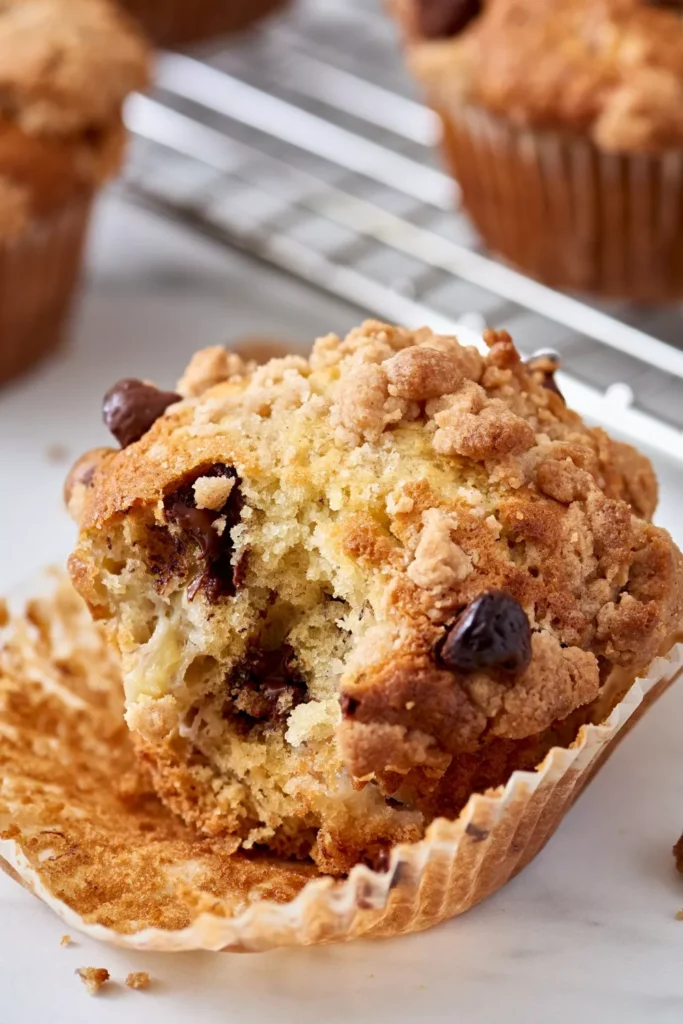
x=77 y=818
x=173 y=22
x=570 y=215
x=39 y=272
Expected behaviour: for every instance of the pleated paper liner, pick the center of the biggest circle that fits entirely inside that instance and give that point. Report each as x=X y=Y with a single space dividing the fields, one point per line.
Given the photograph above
x=39 y=271
x=80 y=829
x=566 y=212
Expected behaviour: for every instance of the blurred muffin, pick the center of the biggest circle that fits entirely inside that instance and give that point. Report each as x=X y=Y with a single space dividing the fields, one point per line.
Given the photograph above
x=563 y=124
x=65 y=68
x=170 y=22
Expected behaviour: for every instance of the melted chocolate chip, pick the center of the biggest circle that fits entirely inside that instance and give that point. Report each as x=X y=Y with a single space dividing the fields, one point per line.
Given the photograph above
x=542 y=366
x=131 y=407
x=215 y=549
x=266 y=686
x=476 y=832
x=439 y=19
x=493 y=632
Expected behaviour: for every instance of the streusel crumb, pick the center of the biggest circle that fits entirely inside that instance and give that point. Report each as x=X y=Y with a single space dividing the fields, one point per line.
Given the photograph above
x=93 y=978
x=343 y=585
x=138 y=980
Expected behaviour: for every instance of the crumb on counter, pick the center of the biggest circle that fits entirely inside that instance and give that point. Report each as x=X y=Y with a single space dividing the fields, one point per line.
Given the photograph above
x=65 y=940
x=57 y=452
x=138 y=979
x=93 y=978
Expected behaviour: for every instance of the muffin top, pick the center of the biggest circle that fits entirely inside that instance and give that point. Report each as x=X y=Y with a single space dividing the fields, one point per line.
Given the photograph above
x=483 y=559
x=611 y=69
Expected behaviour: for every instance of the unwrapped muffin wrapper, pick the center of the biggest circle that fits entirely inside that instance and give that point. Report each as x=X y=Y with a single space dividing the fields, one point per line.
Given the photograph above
x=39 y=271
x=78 y=831
x=563 y=210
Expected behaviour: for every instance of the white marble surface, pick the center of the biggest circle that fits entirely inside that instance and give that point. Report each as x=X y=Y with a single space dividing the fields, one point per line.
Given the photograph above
x=587 y=933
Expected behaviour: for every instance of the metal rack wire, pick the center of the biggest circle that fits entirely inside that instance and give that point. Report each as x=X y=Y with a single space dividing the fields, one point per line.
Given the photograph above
x=302 y=144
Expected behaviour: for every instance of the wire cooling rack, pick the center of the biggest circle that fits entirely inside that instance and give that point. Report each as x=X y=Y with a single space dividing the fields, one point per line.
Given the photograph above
x=302 y=143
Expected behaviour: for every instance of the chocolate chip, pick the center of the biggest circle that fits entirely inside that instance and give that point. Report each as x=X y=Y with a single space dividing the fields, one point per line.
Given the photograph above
x=543 y=365
x=401 y=875
x=476 y=833
x=215 y=549
x=349 y=705
x=364 y=896
x=439 y=19
x=131 y=407
x=266 y=685
x=493 y=632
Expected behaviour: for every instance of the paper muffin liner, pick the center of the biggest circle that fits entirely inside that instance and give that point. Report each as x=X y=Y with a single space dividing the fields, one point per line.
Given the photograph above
x=172 y=22
x=39 y=270
x=566 y=212
x=80 y=829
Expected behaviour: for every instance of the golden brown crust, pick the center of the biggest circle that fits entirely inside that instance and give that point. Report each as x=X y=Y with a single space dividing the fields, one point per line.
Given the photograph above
x=612 y=69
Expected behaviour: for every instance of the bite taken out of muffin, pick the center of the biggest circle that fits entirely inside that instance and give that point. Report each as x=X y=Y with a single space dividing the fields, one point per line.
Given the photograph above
x=353 y=589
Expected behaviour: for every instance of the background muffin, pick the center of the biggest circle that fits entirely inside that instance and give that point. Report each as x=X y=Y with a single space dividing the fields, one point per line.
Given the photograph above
x=65 y=69
x=352 y=590
x=563 y=124
x=185 y=21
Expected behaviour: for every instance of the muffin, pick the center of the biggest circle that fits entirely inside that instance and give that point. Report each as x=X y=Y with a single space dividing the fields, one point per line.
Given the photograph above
x=563 y=125
x=170 y=22
x=352 y=590
x=65 y=69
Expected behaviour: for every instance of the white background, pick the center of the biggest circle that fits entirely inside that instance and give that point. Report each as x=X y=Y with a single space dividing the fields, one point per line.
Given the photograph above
x=587 y=933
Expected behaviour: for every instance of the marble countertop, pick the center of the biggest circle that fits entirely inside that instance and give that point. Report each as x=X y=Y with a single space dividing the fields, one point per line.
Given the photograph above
x=588 y=932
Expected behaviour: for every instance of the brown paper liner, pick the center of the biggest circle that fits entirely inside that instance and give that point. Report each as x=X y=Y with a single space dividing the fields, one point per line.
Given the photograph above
x=567 y=213
x=80 y=830
x=39 y=272
x=171 y=22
